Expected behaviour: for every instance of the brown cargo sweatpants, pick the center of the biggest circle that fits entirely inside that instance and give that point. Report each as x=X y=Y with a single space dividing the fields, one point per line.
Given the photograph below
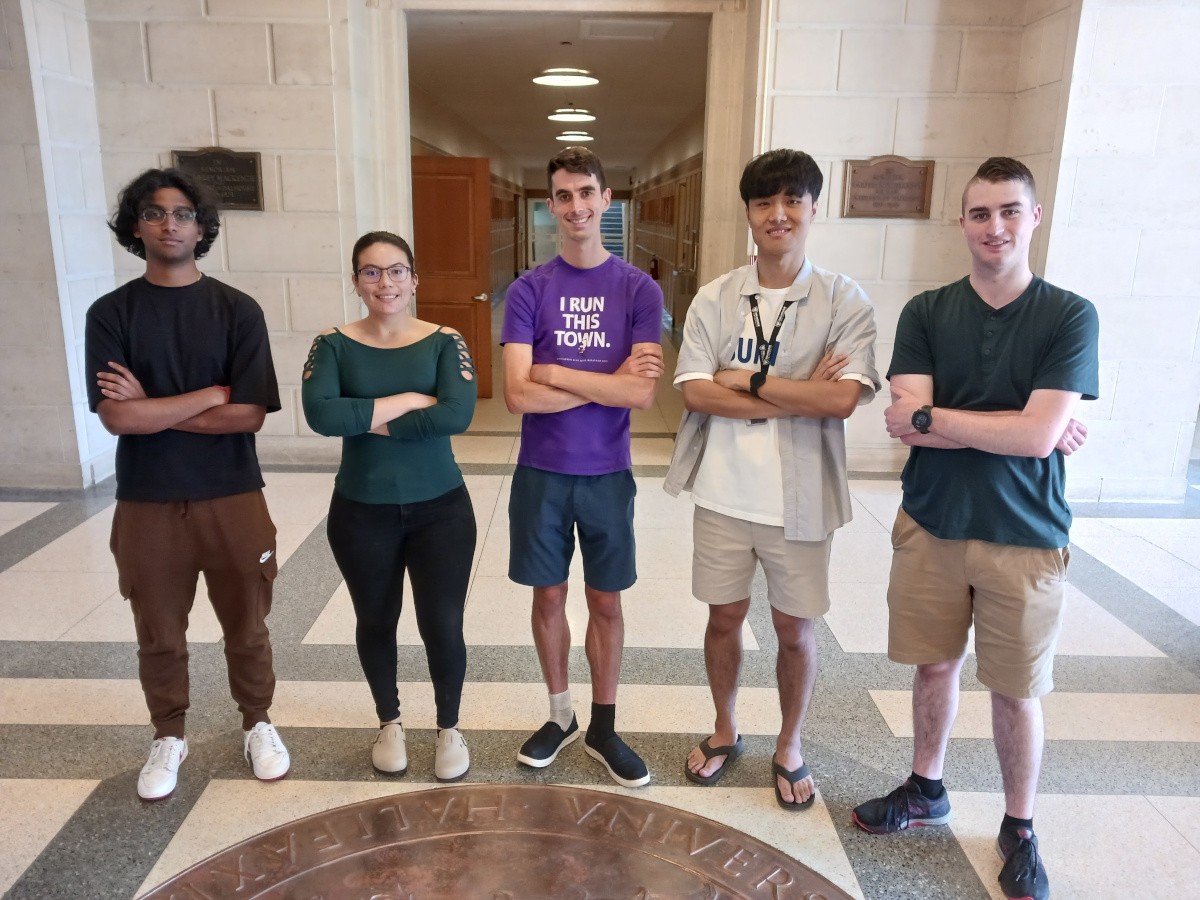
x=160 y=549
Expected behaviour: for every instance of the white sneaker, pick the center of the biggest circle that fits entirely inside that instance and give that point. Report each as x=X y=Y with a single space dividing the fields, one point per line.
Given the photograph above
x=388 y=752
x=161 y=771
x=451 y=759
x=265 y=752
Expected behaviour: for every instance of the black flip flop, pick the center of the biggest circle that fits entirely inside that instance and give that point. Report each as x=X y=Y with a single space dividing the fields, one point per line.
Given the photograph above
x=792 y=777
x=730 y=752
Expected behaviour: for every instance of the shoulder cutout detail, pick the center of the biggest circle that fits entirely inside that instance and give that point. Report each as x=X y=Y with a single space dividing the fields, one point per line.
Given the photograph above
x=466 y=366
x=312 y=354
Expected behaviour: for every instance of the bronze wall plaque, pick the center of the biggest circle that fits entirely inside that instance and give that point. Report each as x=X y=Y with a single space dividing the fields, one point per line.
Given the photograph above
x=235 y=176
x=887 y=187
x=501 y=842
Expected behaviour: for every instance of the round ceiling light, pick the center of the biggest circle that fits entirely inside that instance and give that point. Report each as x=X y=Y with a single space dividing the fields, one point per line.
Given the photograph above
x=566 y=78
x=573 y=137
x=571 y=114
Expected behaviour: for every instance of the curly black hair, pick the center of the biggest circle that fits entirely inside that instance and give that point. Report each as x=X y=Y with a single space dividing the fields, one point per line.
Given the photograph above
x=137 y=195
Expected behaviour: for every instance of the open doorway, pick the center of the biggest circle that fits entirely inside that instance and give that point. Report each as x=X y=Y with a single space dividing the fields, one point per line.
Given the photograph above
x=647 y=118
x=544 y=239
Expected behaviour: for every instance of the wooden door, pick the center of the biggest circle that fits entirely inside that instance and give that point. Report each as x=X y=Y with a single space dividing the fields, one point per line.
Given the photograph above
x=452 y=235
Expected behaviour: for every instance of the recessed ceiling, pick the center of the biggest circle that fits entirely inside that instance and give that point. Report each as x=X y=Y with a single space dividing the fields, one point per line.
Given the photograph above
x=652 y=74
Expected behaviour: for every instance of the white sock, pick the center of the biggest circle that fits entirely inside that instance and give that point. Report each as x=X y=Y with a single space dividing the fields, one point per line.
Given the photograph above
x=560 y=709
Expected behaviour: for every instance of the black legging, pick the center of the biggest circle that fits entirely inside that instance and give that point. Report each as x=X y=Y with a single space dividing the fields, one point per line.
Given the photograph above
x=373 y=544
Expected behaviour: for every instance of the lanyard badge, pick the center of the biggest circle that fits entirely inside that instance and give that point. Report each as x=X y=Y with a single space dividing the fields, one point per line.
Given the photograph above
x=763 y=347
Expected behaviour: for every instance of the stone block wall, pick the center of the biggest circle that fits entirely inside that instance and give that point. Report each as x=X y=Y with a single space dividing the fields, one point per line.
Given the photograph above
x=262 y=75
x=54 y=254
x=926 y=79
x=1124 y=234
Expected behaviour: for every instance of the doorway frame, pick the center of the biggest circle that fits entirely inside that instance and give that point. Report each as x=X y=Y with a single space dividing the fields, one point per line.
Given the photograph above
x=732 y=101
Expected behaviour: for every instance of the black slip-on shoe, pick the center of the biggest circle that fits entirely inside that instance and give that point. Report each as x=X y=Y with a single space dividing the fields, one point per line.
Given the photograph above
x=625 y=766
x=542 y=748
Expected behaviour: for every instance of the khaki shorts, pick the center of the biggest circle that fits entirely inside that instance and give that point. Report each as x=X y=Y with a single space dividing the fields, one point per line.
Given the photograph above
x=1015 y=595
x=723 y=562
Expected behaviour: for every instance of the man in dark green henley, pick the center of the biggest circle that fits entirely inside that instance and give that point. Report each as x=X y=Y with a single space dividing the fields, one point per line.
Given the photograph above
x=985 y=375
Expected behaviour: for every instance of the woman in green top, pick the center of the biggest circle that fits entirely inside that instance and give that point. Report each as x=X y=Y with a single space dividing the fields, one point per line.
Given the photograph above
x=394 y=389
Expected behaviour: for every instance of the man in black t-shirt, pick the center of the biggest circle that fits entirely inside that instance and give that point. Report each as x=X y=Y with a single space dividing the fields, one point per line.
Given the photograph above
x=985 y=374
x=183 y=375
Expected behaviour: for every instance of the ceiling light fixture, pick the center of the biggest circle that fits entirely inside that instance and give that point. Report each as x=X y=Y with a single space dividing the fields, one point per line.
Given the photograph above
x=571 y=114
x=573 y=137
x=566 y=78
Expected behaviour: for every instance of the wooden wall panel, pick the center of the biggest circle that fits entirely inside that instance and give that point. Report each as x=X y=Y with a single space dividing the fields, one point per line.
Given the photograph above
x=507 y=199
x=666 y=233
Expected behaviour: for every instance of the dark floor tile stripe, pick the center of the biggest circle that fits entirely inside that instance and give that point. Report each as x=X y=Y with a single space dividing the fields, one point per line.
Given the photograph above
x=31 y=536
x=1188 y=509
x=101 y=489
x=487 y=468
x=924 y=864
x=343 y=754
x=313 y=468
x=1144 y=613
x=106 y=850
x=302 y=590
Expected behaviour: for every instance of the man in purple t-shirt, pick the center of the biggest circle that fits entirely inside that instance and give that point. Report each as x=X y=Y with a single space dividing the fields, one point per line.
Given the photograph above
x=581 y=348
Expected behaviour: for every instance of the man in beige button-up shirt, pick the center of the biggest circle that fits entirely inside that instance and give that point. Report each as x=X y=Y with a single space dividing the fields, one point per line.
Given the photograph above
x=775 y=356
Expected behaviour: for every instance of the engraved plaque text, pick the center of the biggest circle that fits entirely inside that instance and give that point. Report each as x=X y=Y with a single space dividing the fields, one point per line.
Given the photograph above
x=887 y=187
x=234 y=176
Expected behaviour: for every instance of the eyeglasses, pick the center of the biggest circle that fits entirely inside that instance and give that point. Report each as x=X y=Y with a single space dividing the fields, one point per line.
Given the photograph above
x=155 y=216
x=371 y=274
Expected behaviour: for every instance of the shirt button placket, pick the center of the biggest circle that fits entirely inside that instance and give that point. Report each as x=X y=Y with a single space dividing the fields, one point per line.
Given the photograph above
x=989 y=344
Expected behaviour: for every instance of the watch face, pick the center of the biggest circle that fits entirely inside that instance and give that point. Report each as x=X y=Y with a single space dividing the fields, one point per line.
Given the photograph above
x=921 y=419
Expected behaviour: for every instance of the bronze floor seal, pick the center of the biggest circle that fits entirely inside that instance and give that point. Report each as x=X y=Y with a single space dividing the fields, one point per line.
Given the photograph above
x=501 y=842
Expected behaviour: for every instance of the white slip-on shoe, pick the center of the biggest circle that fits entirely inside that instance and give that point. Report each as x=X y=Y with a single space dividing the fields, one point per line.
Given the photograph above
x=265 y=752
x=161 y=772
x=389 y=755
x=451 y=761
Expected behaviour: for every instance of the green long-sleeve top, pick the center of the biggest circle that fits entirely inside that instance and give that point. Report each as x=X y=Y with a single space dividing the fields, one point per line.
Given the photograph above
x=415 y=462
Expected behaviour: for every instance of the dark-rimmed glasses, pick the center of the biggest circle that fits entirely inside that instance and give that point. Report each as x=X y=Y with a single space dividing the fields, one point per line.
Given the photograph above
x=155 y=215
x=371 y=274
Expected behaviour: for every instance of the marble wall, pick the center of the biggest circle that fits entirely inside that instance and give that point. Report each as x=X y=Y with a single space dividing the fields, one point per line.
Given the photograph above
x=256 y=75
x=925 y=79
x=54 y=249
x=1125 y=233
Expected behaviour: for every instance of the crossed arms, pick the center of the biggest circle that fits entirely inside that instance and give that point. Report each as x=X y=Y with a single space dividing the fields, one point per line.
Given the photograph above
x=126 y=409
x=820 y=397
x=549 y=388
x=1044 y=425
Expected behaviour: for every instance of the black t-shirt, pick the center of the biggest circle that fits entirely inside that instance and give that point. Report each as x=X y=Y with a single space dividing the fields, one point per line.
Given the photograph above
x=176 y=340
x=992 y=359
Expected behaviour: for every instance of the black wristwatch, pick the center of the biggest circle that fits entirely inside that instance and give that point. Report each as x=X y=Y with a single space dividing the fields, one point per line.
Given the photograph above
x=922 y=419
x=757 y=380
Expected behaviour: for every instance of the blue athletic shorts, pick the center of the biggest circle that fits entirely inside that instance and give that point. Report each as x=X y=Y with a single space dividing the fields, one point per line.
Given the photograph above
x=544 y=511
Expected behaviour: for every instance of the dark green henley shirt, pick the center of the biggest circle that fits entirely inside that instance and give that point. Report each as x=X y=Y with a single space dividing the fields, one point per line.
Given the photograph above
x=992 y=359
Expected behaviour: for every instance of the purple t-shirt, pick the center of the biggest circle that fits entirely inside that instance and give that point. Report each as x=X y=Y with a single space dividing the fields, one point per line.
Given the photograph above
x=585 y=319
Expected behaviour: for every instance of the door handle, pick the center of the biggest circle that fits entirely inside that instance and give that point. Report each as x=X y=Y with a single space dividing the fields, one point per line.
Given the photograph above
x=480 y=297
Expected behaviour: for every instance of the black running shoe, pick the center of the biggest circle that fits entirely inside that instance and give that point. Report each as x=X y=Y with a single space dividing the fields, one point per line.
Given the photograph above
x=541 y=749
x=1023 y=876
x=904 y=806
x=625 y=766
